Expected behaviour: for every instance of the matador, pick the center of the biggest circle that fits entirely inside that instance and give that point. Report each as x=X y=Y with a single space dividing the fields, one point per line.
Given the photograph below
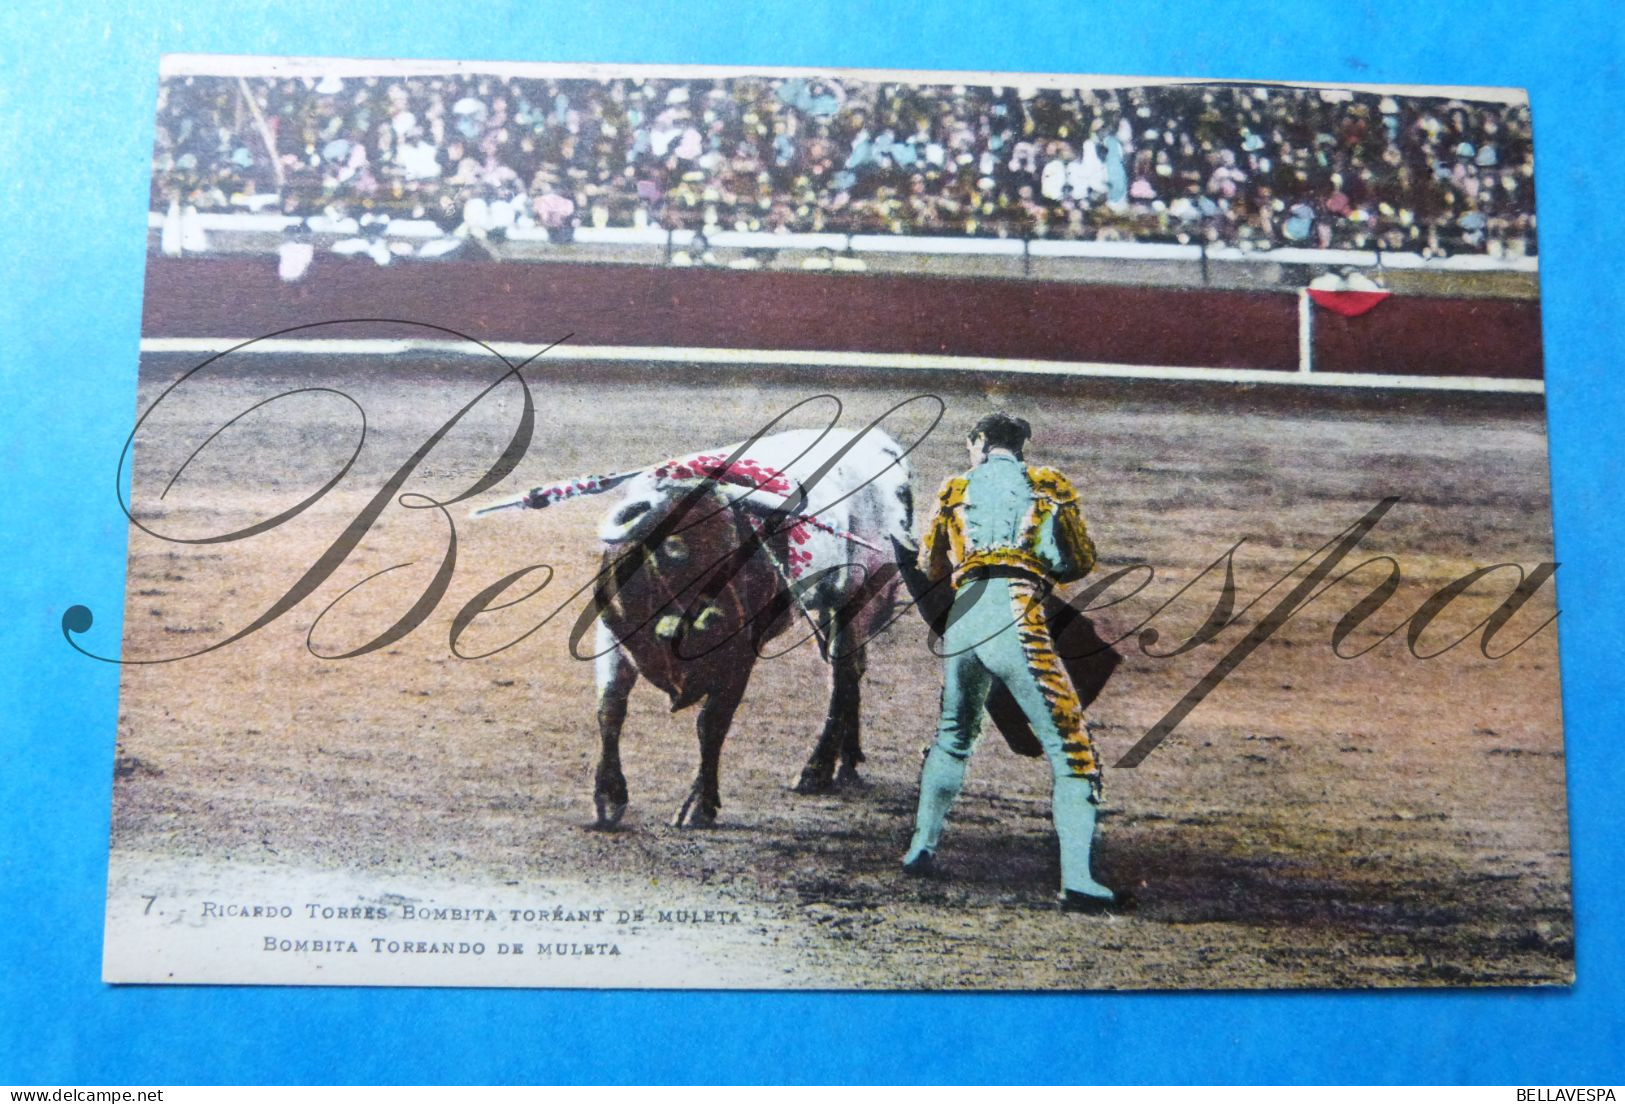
x=1004 y=534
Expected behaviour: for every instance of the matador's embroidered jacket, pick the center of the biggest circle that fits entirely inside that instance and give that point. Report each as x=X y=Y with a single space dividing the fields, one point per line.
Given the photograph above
x=1004 y=513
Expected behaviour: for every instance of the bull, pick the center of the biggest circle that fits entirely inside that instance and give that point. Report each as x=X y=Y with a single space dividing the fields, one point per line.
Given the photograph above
x=708 y=557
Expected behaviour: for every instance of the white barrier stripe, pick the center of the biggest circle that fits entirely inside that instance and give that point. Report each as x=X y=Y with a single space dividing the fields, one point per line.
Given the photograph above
x=920 y=244
x=368 y=346
x=1306 y=332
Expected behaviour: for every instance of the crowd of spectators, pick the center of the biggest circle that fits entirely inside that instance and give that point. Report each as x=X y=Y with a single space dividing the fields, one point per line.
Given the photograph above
x=1255 y=167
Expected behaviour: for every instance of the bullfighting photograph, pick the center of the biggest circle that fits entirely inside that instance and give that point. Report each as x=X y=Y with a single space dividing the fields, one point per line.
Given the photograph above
x=606 y=526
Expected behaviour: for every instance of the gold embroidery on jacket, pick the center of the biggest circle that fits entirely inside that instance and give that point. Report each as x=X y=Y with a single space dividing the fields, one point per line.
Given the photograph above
x=946 y=547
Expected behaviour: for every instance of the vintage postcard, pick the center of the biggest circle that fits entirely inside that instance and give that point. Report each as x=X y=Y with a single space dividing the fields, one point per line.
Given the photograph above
x=608 y=526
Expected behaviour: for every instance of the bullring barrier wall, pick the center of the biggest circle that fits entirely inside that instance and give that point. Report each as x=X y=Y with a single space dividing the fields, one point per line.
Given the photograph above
x=633 y=312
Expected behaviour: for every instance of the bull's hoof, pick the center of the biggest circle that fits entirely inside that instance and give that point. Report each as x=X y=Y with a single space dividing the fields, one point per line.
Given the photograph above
x=814 y=780
x=848 y=778
x=695 y=812
x=609 y=813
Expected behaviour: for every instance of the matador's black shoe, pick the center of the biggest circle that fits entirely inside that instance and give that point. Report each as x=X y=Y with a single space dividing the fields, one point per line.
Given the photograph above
x=1073 y=901
x=923 y=865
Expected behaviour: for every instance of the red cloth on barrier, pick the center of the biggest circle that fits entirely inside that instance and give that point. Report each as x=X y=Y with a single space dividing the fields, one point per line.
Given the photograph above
x=1349 y=304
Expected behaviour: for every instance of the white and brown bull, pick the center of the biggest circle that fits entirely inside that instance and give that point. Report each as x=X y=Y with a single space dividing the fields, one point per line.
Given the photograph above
x=709 y=556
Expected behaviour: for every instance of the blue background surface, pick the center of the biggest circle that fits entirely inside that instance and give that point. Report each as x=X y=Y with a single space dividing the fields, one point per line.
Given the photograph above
x=77 y=93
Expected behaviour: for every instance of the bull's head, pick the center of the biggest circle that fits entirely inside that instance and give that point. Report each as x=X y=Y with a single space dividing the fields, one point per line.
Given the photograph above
x=688 y=585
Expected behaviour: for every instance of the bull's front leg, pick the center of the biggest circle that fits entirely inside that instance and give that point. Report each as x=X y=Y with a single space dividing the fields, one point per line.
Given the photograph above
x=699 y=808
x=615 y=677
x=839 y=737
x=849 y=712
